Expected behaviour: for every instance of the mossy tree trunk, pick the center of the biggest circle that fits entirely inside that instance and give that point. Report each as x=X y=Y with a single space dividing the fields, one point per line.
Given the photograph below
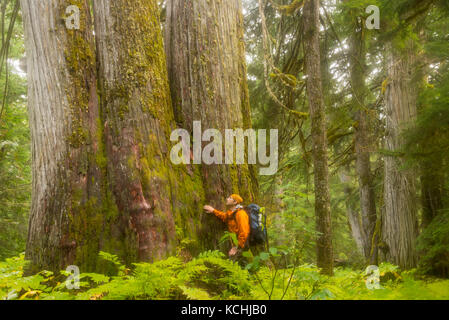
x=101 y=117
x=362 y=143
x=207 y=71
x=63 y=110
x=319 y=139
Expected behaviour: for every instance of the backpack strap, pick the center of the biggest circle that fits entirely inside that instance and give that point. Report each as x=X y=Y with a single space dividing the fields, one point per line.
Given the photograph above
x=234 y=213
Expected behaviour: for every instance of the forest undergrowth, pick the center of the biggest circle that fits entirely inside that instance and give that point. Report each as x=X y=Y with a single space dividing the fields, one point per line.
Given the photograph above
x=211 y=276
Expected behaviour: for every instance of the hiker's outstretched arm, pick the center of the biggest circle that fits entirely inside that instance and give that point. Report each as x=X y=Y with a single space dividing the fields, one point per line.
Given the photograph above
x=221 y=215
x=208 y=208
x=243 y=224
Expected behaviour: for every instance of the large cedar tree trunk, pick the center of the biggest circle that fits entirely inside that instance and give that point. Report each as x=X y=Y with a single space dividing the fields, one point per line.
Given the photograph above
x=63 y=110
x=101 y=117
x=399 y=221
x=207 y=71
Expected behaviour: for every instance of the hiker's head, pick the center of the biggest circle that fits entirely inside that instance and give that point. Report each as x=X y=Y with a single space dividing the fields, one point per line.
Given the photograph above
x=233 y=200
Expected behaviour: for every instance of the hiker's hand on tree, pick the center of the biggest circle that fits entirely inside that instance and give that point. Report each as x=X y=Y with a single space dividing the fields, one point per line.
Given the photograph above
x=233 y=251
x=208 y=209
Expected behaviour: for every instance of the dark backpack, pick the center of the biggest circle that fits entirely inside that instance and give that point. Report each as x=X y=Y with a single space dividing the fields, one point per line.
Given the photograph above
x=257 y=222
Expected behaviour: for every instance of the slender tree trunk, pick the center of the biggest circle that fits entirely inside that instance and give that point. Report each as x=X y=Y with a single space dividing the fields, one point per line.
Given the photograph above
x=101 y=118
x=362 y=143
x=354 y=220
x=279 y=205
x=319 y=140
x=432 y=177
x=399 y=223
x=431 y=194
x=207 y=71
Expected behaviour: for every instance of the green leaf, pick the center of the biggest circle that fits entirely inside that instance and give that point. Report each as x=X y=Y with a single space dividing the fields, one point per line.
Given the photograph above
x=264 y=256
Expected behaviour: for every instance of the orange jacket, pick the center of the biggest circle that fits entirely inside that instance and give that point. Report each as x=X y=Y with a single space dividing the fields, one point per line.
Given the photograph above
x=238 y=225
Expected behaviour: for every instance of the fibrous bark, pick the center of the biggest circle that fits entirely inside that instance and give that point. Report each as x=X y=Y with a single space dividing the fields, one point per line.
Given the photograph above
x=101 y=117
x=63 y=109
x=207 y=71
x=399 y=221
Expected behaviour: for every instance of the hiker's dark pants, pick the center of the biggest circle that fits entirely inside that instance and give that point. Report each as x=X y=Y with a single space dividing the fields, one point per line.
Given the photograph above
x=257 y=249
x=240 y=259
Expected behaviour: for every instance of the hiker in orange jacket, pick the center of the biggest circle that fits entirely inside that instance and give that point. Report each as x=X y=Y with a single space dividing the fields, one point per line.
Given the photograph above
x=237 y=220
